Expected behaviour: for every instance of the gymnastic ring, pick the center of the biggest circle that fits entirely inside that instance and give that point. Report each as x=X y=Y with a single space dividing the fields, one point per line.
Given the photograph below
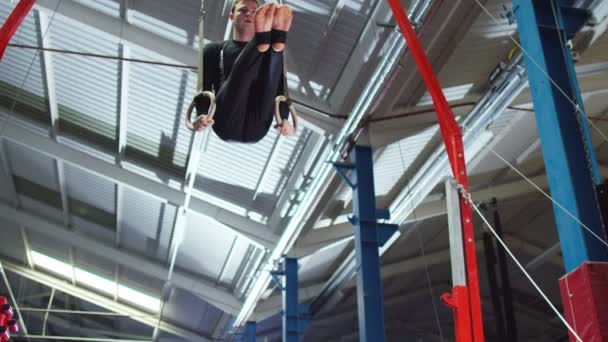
x=211 y=113
x=292 y=111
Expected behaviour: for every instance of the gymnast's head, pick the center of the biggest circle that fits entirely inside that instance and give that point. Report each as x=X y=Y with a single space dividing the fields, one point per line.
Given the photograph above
x=242 y=13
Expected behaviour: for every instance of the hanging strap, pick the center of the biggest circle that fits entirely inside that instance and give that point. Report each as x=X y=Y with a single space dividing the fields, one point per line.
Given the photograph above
x=222 y=67
x=285 y=98
x=199 y=86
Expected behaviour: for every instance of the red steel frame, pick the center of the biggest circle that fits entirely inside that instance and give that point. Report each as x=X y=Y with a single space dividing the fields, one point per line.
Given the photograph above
x=13 y=22
x=465 y=300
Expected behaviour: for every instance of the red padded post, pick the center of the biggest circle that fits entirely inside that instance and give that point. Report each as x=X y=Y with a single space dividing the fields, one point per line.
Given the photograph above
x=585 y=299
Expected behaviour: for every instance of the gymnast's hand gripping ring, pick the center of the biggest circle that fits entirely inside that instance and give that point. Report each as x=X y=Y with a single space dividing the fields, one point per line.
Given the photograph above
x=292 y=111
x=209 y=114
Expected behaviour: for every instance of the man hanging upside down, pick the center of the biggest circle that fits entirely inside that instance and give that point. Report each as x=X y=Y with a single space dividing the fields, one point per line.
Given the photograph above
x=246 y=74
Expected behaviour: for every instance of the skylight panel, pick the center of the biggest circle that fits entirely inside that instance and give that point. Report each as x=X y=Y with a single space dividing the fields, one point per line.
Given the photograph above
x=51 y=264
x=96 y=282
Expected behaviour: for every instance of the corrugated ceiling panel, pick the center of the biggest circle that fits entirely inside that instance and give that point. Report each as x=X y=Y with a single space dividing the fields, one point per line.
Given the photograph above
x=101 y=233
x=276 y=177
x=94 y=264
x=42 y=210
x=232 y=170
x=147 y=224
x=206 y=246
x=11 y=243
x=156 y=109
x=130 y=277
x=236 y=259
x=20 y=70
x=514 y=133
x=179 y=22
x=316 y=266
x=86 y=88
x=168 y=221
x=309 y=25
x=33 y=166
x=97 y=153
x=109 y=7
x=161 y=28
x=506 y=119
x=286 y=157
x=191 y=312
x=89 y=188
x=396 y=159
x=48 y=245
x=482 y=48
x=339 y=43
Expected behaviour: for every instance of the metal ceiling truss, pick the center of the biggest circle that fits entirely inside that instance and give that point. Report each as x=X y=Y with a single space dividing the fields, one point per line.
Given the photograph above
x=222 y=299
x=18 y=133
x=102 y=301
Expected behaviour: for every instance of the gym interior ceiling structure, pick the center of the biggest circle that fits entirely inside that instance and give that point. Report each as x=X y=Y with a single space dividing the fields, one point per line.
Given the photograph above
x=103 y=239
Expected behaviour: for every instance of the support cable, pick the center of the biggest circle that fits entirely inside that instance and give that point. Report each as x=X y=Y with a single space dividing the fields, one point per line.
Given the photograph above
x=489 y=227
x=29 y=69
x=38 y=49
x=423 y=253
x=591 y=162
x=543 y=71
x=589 y=230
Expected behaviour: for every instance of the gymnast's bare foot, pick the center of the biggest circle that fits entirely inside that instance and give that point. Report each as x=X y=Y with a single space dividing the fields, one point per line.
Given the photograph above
x=263 y=22
x=282 y=23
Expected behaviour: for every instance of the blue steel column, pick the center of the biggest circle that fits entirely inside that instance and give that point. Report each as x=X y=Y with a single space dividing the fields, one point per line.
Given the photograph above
x=250 y=331
x=569 y=171
x=369 y=236
x=290 y=301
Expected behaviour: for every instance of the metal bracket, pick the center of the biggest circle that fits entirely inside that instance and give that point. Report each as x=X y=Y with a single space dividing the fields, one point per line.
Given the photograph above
x=340 y=167
x=275 y=277
x=509 y=14
x=385 y=232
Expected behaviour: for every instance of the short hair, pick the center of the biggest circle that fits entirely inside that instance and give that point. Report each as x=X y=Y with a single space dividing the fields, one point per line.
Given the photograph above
x=236 y=2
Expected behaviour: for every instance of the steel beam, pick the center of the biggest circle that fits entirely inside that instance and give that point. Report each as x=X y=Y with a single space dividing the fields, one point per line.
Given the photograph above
x=257 y=233
x=250 y=332
x=320 y=238
x=290 y=300
x=47 y=312
x=124 y=68
x=542 y=258
x=102 y=301
x=569 y=159
x=123 y=100
x=223 y=300
x=369 y=237
x=8 y=172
